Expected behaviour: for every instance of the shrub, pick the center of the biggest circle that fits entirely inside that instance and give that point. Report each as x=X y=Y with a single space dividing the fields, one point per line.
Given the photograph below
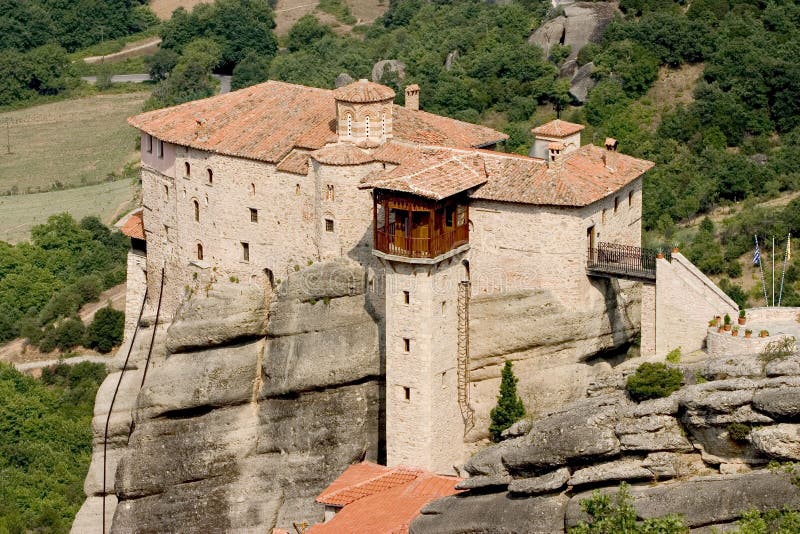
x=780 y=348
x=742 y=313
x=738 y=432
x=509 y=407
x=727 y=319
x=69 y=334
x=734 y=269
x=674 y=356
x=617 y=516
x=106 y=329
x=653 y=381
x=768 y=522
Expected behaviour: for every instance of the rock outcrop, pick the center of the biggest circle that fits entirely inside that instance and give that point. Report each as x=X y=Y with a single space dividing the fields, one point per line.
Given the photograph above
x=680 y=454
x=580 y=23
x=252 y=404
x=385 y=67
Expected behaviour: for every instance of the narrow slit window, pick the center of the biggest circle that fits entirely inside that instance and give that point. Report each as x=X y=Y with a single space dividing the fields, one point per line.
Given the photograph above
x=166 y=192
x=297 y=189
x=349 y=125
x=188 y=169
x=199 y=251
x=616 y=204
x=160 y=149
x=252 y=189
x=407 y=393
x=245 y=251
x=196 y=210
x=630 y=199
x=210 y=175
x=149 y=143
x=253 y=215
x=383 y=125
x=366 y=126
x=444 y=307
x=406 y=297
x=406 y=344
x=329 y=225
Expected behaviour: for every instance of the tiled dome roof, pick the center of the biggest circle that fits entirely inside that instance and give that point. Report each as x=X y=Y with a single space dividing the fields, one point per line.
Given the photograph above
x=363 y=92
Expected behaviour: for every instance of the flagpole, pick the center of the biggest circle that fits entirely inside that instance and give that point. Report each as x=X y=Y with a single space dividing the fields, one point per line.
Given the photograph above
x=785 y=259
x=761 y=268
x=773 y=271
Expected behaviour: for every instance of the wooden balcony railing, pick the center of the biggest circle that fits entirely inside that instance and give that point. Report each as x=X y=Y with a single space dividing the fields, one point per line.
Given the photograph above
x=623 y=261
x=392 y=240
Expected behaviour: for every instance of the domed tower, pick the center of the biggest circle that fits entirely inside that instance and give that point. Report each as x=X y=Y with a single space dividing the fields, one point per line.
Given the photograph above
x=364 y=113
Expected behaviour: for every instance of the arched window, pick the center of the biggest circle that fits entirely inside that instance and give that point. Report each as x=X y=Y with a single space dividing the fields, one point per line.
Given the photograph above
x=199 y=251
x=210 y=176
x=366 y=126
x=166 y=192
x=329 y=192
x=349 y=125
x=188 y=169
x=252 y=189
x=383 y=125
x=196 y=210
x=297 y=189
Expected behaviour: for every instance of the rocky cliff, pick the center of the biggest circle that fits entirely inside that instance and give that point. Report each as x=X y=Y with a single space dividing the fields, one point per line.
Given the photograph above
x=680 y=453
x=250 y=407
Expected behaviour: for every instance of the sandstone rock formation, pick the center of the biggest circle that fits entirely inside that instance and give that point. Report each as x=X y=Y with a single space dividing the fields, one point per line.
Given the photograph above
x=385 y=67
x=581 y=23
x=678 y=453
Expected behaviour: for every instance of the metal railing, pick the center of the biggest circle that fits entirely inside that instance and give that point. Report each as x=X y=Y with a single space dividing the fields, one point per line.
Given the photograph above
x=624 y=261
x=392 y=240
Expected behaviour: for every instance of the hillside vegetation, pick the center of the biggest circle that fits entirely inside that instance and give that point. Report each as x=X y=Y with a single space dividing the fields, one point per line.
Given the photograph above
x=45 y=445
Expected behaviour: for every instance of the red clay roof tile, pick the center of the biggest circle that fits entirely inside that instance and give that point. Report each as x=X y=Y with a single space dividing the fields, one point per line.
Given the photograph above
x=558 y=128
x=134 y=226
x=363 y=92
x=342 y=154
x=296 y=162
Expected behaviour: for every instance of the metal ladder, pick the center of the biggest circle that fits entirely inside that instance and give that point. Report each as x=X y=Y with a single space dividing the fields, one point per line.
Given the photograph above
x=467 y=413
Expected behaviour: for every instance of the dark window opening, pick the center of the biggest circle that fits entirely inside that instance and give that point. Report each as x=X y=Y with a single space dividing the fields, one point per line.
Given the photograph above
x=199 y=251
x=160 y=149
x=406 y=344
x=245 y=251
x=616 y=204
x=407 y=393
x=149 y=143
x=253 y=215
x=630 y=199
x=210 y=176
x=196 y=210
x=329 y=225
x=188 y=168
x=406 y=297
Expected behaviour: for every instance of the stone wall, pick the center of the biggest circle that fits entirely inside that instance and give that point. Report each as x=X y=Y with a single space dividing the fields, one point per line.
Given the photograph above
x=685 y=301
x=725 y=344
x=774 y=314
x=135 y=288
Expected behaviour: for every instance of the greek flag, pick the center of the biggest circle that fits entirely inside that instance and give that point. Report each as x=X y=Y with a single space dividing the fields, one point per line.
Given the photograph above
x=757 y=256
x=789 y=248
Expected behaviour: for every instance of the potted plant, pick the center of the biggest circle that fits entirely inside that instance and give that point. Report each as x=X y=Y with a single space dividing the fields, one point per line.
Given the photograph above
x=720 y=329
x=735 y=331
x=748 y=333
x=763 y=333
x=727 y=322
x=742 y=316
x=660 y=254
x=675 y=248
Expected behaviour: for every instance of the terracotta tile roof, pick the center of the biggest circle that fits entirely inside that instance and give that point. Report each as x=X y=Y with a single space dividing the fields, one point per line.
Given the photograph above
x=430 y=173
x=357 y=484
x=412 y=87
x=558 y=128
x=296 y=162
x=583 y=178
x=133 y=224
x=555 y=146
x=391 y=510
x=266 y=121
x=363 y=92
x=342 y=154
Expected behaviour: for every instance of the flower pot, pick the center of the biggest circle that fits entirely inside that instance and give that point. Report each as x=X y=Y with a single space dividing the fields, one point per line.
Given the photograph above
x=747 y=335
x=727 y=327
x=675 y=250
x=720 y=329
x=660 y=256
x=735 y=333
x=762 y=334
x=742 y=320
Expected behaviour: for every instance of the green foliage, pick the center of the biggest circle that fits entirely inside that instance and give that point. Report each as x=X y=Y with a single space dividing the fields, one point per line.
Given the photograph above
x=68 y=334
x=607 y=516
x=306 y=32
x=509 y=408
x=239 y=27
x=45 y=445
x=674 y=356
x=338 y=9
x=653 y=381
x=66 y=265
x=738 y=432
x=191 y=78
x=778 y=349
x=783 y=521
x=106 y=329
x=251 y=70
x=161 y=63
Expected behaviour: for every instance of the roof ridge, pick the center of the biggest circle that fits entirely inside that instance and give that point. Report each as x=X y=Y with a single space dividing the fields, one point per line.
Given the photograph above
x=389 y=472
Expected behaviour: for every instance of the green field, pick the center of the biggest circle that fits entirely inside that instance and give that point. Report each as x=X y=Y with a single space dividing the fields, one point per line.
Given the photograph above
x=67 y=144
x=108 y=201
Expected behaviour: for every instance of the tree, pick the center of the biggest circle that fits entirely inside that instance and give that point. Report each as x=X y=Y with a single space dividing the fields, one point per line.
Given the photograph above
x=69 y=334
x=161 y=63
x=253 y=69
x=191 y=78
x=509 y=407
x=106 y=329
x=306 y=32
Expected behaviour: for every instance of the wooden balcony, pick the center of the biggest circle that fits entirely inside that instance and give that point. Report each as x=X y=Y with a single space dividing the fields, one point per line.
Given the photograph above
x=419 y=229
x=610 y=260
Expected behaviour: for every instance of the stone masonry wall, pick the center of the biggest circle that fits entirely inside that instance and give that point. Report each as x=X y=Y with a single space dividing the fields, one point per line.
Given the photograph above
x=135 y=287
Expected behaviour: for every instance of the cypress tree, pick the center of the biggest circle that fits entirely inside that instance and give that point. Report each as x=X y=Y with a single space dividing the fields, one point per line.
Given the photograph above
x=509 y=407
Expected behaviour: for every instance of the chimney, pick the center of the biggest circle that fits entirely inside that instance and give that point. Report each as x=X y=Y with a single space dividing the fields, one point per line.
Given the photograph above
x=554 y=151
x=610 y=155
x=412 y=97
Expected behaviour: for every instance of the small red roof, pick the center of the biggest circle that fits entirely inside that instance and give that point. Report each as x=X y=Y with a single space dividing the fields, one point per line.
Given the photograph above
x=555 y=146
x=387 y=499
x=363 y=92
x=558 y=128
x=341 y=154
x=134 y=225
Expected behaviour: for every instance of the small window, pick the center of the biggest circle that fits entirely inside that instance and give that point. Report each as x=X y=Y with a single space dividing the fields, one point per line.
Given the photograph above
x=210 y=175
x=297 y=189
x=406 y=297
x=245 y=251
x=616 y=204
x=188 y=169
x=366 y=126
x=166 y=192
x=330 y=193
x=253 y=215
x=444 y=307
x=196 y=210
x=630 y=199
x=160 y=149
x=199 y=251
x=407 y=393
x=383 y=125
x=603 y=217
x=329 y=225
x=406 y=344
x=252 y=189
x=349 y=125
x=148 y=140
x=371 y=285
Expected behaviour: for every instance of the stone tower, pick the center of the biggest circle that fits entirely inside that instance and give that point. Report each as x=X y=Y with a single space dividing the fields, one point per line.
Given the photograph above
x=364 y=113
